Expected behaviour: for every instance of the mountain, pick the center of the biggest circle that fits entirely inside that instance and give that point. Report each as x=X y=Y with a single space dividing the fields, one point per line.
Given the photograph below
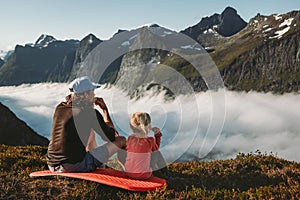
x=44 y=40
x=47 y=60
x=119 y=31
x=1 y=62
x=16 y=132
x=67 y=71
x=264 y=56
x=211 y=29
x=5 y=54
x=2 y=54
x=35 y=63
x=134 y=64
x=261 y=55
x=144 y=67
x=86 y=45
x=2 y=57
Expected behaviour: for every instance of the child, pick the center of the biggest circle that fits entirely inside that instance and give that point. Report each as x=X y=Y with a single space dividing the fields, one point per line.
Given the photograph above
x=142 y=150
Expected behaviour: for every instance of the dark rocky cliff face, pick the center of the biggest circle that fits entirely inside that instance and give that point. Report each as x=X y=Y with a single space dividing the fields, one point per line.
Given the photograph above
x=264 y=56
x=1 y=62
x=273 y=66
x=210 y=29
x=230 y=22
x=47 y=60
x=86 y=45
x=14 y=131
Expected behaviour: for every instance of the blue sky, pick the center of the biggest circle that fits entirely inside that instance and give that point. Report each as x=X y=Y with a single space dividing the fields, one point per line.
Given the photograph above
x=24 y=21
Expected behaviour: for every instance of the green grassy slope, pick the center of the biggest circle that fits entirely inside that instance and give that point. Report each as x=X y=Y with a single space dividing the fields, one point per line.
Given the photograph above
x=251 y=176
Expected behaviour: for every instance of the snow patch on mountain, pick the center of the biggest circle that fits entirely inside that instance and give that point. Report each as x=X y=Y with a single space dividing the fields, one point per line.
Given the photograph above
x=126 y=43
x=208 y=31
x=90 y=40
x=168 y=32
x=212 y=31
x=280 y=33
x=191 y=47
x=2 y=54
x=44 y=40
x=277 y=17
x=267 y=30
x=129 y=41
x=286 y=22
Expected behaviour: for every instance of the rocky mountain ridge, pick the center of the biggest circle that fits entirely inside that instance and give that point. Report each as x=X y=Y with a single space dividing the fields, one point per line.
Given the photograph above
x=264 y=55
x=85 y=46
x=39 y=62
x=211 y=29
x=244 y=54
x=44 y=40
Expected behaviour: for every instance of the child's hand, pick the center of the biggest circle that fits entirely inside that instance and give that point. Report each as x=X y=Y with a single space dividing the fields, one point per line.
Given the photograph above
x=155 y=130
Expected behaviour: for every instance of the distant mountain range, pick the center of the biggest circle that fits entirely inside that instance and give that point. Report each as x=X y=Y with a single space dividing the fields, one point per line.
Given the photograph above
x=261 y=55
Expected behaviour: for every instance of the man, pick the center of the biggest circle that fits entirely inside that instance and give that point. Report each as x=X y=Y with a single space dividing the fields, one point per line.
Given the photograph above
x=72 y=146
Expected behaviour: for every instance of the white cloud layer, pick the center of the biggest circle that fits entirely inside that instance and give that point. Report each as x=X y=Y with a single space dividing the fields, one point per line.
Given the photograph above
x=253 y=120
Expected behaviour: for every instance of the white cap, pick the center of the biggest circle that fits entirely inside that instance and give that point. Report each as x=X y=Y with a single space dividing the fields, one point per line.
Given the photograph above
x=82 y=84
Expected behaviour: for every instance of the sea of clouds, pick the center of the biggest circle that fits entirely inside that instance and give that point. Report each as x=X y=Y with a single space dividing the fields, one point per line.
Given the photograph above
x=249 y=121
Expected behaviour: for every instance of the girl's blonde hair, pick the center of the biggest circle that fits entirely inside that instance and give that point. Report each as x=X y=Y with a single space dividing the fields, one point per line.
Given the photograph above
x=140 y=123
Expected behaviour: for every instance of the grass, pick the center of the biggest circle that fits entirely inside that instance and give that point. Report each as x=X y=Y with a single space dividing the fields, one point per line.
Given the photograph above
x=180 y=65
x=248 y=176
x=226 y=54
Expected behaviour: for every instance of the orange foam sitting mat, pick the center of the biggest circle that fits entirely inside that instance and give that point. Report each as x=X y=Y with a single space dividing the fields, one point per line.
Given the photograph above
x=110 y=177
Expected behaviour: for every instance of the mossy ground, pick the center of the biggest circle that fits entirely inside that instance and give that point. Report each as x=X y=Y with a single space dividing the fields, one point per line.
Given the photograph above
x=248 y=176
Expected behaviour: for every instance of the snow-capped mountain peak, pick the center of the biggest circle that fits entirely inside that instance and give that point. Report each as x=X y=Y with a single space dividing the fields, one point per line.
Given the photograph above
x=44 y=40
x=274 y=26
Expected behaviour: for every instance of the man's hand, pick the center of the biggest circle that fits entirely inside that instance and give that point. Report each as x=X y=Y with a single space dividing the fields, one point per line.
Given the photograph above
x=100 y=102
x=120 y=140
x=112 y=125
